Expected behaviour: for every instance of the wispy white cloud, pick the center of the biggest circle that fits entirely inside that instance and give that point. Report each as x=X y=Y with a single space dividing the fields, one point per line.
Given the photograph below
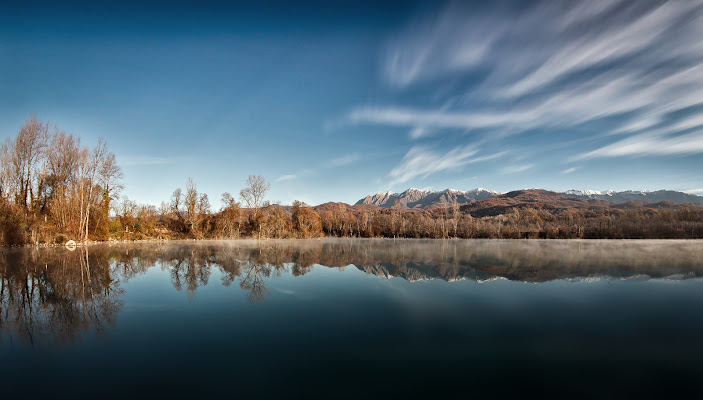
x=429 y=48
x=418 y=132
x=514 y=169
x=286 y=177
x=398 y=116
x=488 y=157
x=638 y=124
x=344 y=160
x=556 y=65
x=698 y=192
x=546 y=41
x=600 y=45
x=421 y=161
x=624 y=94
x=570 y=170
x=648 y=144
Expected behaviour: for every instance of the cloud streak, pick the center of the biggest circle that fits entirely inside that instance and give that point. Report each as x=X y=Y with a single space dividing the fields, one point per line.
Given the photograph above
x=514 y=169
x=556 y=66
x=421 y=161
x=286 y=177
x=645 y=144
x=344 y=160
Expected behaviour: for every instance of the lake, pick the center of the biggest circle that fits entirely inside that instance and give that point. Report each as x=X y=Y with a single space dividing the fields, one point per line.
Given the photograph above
x=353 y=318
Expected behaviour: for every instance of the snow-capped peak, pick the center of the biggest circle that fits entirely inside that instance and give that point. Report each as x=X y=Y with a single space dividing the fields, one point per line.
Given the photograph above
x=484 y=190
x=586 y=192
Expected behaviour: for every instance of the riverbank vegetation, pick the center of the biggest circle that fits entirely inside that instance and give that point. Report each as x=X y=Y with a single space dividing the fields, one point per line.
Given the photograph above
x=52 y=189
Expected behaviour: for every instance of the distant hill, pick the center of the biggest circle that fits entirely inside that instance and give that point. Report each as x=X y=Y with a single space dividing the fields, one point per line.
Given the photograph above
x=638 y=196
x=520 y=214
x=533 y=198
x=427 y=199
x=420 y=199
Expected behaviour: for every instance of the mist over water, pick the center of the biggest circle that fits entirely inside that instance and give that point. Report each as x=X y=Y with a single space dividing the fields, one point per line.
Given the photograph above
x=352 y=317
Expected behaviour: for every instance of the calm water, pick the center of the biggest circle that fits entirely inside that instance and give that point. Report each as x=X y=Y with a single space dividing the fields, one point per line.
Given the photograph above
x=353 y=318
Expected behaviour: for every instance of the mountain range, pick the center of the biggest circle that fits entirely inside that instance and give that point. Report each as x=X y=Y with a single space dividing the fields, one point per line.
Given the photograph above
x=417 y=198
x=425 y=199
x=644 y=196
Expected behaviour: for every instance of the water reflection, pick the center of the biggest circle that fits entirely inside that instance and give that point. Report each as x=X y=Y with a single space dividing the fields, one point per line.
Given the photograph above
x=61 y=294
x=58 y=294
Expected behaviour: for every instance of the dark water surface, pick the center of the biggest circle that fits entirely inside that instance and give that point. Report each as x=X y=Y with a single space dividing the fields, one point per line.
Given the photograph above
x=353 y=318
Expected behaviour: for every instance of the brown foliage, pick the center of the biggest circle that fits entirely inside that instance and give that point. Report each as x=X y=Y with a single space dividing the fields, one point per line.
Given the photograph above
x=59 y=186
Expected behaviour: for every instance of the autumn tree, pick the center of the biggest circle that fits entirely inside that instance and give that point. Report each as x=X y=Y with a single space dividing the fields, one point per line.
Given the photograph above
x=63 y=157
x=91 y=168
x=455 y=216
x=191 y=210
x=60 y=185
x=228 y=221
x=110 y=176
x=279 y=221
x=192 y=215
x=306 y=222
x=26 y=153
x=176 y=208
x=253 y=196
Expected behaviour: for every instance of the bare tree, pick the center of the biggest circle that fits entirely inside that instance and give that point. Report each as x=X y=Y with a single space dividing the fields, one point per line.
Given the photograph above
x=253 y=195
x=204 y=212
x=306 y=222
x=229 y=215
x=191 y=206
x=62 y=165
x=455 y=216
x=5 y=163
x=25 y=154
x=110 y=176
x=190 y=209
x=91 y=169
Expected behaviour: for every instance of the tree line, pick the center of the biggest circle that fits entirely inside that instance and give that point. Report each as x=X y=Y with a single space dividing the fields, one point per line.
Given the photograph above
x=682 y=222
x=50 y=184
x=53 y=189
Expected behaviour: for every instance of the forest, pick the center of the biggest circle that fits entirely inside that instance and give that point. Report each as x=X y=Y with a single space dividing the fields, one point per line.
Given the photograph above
x=54 y=189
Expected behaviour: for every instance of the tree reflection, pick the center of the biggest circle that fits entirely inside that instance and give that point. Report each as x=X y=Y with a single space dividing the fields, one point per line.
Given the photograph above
x=58 y=294
x=253 y=281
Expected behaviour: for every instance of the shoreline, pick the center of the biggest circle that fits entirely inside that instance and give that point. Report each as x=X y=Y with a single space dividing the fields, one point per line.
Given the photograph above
x=325 y=238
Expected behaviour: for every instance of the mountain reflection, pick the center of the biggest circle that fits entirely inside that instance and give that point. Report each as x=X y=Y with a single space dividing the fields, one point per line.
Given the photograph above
x=55 y=293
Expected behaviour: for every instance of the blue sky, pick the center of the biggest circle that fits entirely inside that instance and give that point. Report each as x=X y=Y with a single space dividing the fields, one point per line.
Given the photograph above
x=333 y=101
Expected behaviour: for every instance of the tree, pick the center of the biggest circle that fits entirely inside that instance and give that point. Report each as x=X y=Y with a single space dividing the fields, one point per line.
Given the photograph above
x=204 y=213
x=176 y=206
x=25 y=154
x=455 y=216
x=228 y=221
x=253 y=195
x=191 y=206
x=306 y=222
x=190 y=209
x=91 y=168
x=109 y=175
x=279 y=221
x=63 y=157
